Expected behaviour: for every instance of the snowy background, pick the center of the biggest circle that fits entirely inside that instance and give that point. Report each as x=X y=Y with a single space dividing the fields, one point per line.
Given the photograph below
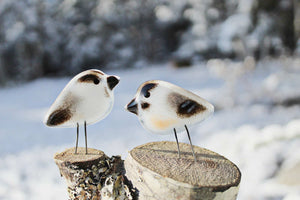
x=62 y=37
x=241 y=55
x=256 y=125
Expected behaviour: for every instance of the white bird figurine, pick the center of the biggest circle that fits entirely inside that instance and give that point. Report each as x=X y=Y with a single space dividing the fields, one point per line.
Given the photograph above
x=86 y=99
x=163 y=108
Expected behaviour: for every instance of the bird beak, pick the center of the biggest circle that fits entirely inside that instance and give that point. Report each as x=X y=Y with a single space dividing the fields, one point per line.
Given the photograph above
x=112 y=81
x=132 y=106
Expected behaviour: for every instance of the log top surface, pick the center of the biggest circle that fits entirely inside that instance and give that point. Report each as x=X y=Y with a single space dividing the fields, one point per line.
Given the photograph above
x=80 y=159
x=210 y=170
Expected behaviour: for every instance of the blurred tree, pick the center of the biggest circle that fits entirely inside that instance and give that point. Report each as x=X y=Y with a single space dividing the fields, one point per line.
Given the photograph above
x=59 y=37
x=282 y=26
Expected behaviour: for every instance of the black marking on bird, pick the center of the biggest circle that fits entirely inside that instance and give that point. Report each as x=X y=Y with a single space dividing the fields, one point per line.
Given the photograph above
x=145 y=91
x=89 y=78
x=112 y=81
x=59 y=117
x=189 y=108
x=145 y=105
x=132 y=106
x=185 y=107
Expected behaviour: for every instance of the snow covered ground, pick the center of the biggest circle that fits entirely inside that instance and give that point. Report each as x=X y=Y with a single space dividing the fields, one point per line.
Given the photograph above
x=254 y=125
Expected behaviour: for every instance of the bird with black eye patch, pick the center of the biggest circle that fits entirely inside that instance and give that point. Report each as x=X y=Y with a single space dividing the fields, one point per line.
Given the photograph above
x=165 y=108
x=86 y=99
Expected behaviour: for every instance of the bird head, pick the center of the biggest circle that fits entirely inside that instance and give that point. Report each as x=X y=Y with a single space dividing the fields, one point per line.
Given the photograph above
x=93 y=81
x=143 y=98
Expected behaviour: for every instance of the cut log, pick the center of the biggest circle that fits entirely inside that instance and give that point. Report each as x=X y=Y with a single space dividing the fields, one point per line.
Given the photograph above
x=93 y=176
x=157 y=172
x=153 y=172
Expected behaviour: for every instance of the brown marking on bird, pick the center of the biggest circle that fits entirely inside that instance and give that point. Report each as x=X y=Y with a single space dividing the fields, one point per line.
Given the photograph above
x=64 y=112
x=89 y=78
x=185 y=107
x=59 y=116
x=145 y=105
x=98 y=72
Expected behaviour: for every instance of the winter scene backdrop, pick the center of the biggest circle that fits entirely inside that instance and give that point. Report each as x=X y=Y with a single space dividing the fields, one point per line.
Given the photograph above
x=243 y=56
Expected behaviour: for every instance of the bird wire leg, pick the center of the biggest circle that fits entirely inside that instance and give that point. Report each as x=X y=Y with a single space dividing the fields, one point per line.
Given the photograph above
x=77 y=138
x=86 y=148
x=177 y=142
x=187 y=131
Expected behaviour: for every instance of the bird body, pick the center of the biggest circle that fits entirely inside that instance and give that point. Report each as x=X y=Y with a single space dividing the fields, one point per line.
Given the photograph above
x=169 y=107
x=163 y=108
x=86 y=99
x=82 y=100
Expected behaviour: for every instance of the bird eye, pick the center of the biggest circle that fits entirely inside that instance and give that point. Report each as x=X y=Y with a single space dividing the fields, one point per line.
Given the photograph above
x=96 y=81
x=147 y=94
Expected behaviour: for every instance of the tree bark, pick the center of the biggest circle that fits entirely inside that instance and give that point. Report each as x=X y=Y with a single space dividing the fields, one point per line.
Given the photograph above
x=152 y=171
x=93 y=176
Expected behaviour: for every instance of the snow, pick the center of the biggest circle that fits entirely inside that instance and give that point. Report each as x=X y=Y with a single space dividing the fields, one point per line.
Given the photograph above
x=235 y=26
x=163 y=13
x=250 y=126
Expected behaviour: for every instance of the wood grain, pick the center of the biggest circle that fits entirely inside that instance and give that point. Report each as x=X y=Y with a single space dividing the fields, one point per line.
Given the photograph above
x=81 y=159
x=159 y=171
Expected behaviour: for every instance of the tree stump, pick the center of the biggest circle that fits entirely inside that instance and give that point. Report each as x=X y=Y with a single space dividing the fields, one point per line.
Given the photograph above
x=93 y=176
x=151 y=171
x=156 y=172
